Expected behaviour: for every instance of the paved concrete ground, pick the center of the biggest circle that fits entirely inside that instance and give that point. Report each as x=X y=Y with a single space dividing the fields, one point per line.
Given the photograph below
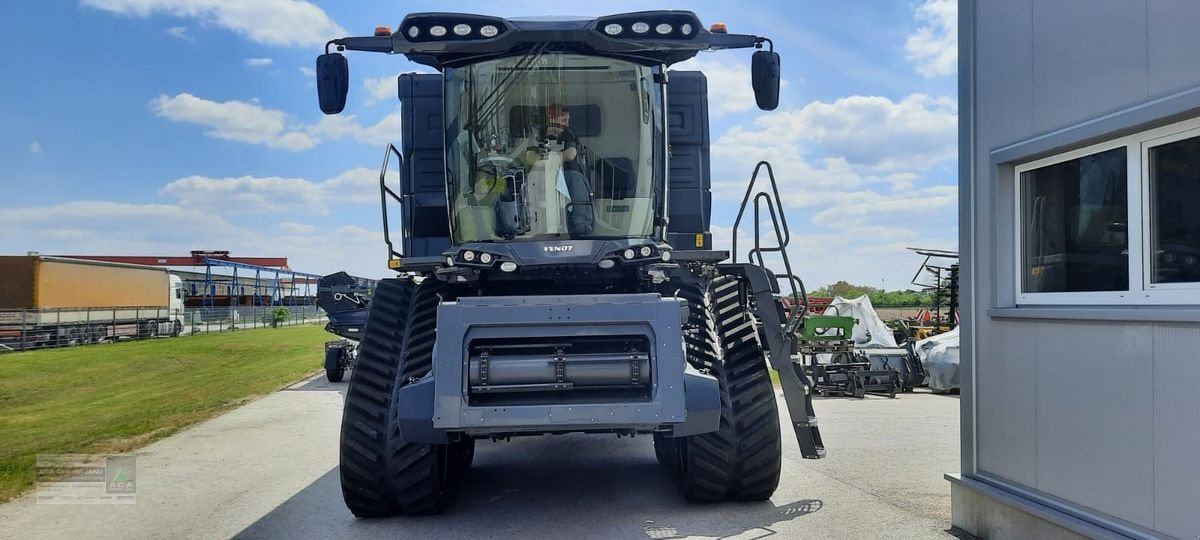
x=269 y=470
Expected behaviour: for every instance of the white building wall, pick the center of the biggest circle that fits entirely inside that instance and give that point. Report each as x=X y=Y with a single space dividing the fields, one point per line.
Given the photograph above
x=1091 y=410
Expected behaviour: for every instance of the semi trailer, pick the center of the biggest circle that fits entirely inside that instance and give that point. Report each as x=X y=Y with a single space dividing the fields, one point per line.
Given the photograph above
x=555 y=266
x=53 y=301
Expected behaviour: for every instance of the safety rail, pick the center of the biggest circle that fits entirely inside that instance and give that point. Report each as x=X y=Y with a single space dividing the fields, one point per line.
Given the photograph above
x=783 y=237
x=384 y=193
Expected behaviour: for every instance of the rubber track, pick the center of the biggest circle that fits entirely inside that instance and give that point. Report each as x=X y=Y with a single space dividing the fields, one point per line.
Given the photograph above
x=707 y=460
x=742 y=459
x=380 y=474
x=755 y=414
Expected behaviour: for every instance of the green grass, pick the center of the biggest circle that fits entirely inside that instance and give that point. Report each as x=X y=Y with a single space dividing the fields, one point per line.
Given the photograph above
x=118 y=397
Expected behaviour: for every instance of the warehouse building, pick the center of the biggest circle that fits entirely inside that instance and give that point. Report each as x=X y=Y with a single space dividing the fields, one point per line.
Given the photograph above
x=1080 y=240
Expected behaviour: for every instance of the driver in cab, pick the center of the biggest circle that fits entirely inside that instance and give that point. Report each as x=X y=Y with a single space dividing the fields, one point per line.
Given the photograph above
x=558 y=128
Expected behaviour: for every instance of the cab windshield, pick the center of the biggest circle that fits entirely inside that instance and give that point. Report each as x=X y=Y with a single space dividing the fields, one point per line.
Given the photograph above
x=552 y=146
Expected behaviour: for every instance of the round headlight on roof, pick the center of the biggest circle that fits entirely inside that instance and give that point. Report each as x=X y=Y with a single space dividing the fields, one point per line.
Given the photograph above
x=462 y=29
x=640 y=27
x=612 y=29
x=437 y=31
x=413 y=31
x=663 y=29
x=486 y=258
x=468 y=255
x=628 y=254
x=686 y=29
x=488 y=30
x=645 y=251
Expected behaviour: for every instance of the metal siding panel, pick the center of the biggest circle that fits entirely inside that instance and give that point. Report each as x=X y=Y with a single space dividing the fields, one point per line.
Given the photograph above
x=1094 y=399
x=1090 y=58
x=1173 y=41
x=1004 y=87
x=1007 y=405
x=1176 y=429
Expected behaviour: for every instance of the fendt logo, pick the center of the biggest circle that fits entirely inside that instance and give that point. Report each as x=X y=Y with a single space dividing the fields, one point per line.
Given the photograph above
x=557 y=249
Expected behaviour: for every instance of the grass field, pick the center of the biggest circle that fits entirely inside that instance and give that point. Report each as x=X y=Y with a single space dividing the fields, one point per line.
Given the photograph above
x=117 y=397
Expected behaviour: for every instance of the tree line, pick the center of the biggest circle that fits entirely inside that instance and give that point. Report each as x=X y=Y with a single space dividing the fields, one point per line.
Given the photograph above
x=879 y=297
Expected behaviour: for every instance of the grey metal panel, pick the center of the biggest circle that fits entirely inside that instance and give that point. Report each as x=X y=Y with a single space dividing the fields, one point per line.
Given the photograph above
x=1007 y=403
x=1177 y=429
x=1173 y=41
x=968 y=298
x=1101 y=313
x=1089 y=57
x=1092 y=410
x=659 y=319
x=1004 y=87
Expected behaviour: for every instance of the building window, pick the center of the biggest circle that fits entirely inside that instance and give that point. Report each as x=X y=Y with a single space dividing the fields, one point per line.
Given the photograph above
x=1174 y=219
x=1113 y=223
x=1075 y=215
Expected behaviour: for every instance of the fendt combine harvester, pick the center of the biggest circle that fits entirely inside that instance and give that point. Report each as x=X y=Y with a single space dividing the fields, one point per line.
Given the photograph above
x=556 y=270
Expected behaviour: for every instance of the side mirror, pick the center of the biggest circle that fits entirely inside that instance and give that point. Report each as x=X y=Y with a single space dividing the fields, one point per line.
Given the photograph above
x=333 y=82
x=764 y=75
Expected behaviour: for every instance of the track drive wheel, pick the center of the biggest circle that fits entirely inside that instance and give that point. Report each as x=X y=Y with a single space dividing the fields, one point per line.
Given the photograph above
x=382 y=474
x=742 y=459
x=335 y=364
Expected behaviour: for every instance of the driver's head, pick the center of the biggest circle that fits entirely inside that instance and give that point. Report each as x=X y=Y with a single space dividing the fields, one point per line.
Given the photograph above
x=557 y=115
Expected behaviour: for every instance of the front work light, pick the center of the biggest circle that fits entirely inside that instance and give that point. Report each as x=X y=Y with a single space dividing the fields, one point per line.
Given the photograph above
x=488 y=31
x=663 y=29
x=468 y=255
x=413 y=32
x=628 y=254
x=486 y=258
x=607 y=263
x=645 y=251
x=508 y=266
x=462 y=29
x=640 y=27
x=437 y=31
x=612 y=29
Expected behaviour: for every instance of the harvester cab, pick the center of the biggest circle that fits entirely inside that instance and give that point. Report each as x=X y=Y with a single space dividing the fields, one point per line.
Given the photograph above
x=556 y=265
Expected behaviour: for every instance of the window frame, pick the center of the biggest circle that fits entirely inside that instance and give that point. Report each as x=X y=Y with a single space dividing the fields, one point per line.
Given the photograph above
x=1137 y=159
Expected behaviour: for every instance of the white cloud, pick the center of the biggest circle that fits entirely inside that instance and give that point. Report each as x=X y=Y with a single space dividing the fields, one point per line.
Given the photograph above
x=94 y=227
x=729 y=89
x=35 y=148
x=270 y=22
x=234 y=121
x=380 y=89
x=342 y=126
x=257 y=62
x=274 y=194
x=915 y=133
x=180 y=32
x=933 y=47
x=291 y=227
x=308 y=72
x=250 y=122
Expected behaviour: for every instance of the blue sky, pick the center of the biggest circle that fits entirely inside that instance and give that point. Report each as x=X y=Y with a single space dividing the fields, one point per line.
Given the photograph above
x=160 y=126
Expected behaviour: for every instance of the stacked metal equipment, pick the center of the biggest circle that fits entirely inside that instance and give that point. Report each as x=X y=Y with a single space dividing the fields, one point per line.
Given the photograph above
x=848 y=372
x=345 y=301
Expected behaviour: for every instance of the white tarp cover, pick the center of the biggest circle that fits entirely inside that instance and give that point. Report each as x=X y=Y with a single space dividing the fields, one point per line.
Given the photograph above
x=939 y=355
x=870 y=331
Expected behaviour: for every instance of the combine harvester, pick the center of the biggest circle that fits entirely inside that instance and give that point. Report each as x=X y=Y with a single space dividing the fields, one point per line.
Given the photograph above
x=556 y=270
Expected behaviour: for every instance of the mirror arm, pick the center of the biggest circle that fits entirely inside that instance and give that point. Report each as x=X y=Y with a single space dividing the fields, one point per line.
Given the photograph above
x=717 y=42
x=381 y=44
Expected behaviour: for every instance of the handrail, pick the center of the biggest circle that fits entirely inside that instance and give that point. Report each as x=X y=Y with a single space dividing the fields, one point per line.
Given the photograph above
x=384 y=192
x=783 y=237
